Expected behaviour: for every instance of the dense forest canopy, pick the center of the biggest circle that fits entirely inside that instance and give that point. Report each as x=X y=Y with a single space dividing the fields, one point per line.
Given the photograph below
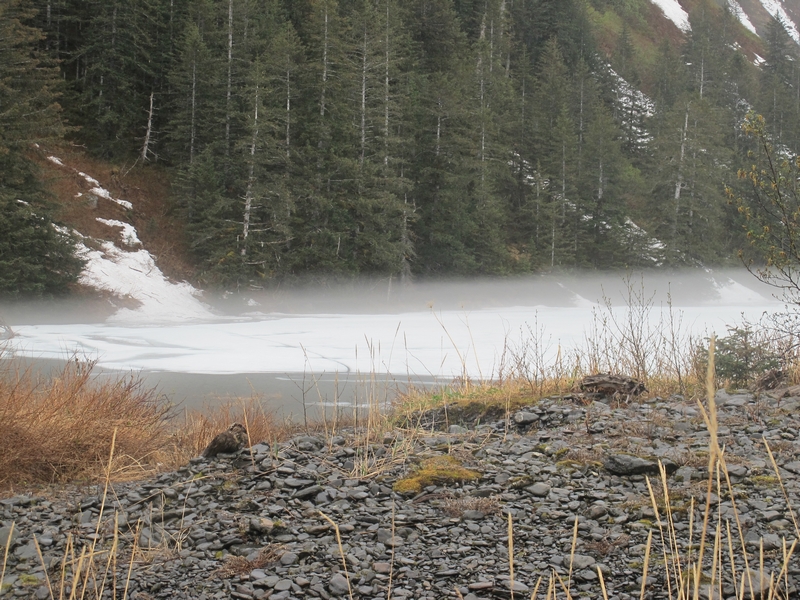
x=414 y=137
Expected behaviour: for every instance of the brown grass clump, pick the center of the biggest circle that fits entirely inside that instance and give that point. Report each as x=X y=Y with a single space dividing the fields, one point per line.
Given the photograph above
x=234 y=566
x=456 y=507
x=61 y=429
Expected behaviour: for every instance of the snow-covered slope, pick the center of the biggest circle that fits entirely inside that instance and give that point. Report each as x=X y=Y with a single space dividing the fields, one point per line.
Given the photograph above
x=120 y=266
x=754 y=15
x=674 y=12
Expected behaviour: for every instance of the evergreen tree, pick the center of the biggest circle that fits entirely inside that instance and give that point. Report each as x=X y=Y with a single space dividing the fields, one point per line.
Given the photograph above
x=35 y=257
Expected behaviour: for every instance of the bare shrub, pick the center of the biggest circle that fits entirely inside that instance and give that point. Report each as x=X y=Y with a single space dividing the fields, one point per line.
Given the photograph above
x=61 y=429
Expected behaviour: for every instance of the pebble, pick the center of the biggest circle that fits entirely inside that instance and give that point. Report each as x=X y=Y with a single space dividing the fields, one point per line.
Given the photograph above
x=548 y=468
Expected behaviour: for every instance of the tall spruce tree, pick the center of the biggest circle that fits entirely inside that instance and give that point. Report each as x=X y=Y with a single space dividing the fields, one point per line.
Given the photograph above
x=36 y=258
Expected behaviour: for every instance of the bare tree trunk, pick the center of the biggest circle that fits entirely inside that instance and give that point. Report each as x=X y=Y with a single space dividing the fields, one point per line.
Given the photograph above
x=438 y=126
x=146 y=145
x=386 y=96
x=230 y=66
x=324 y=64
x=679 y=181
x=363 y=100
x=192 y=134
x=248 y=197
x=288 y=109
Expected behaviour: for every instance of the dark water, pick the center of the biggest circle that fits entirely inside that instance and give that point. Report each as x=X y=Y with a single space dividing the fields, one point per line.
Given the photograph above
x=290 y=396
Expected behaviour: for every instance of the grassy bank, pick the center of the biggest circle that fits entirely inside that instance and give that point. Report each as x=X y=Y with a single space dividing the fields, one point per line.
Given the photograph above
x=59 y=429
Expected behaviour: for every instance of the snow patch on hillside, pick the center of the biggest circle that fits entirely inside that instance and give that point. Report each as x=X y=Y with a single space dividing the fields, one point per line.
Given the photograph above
x=774 y=7
x=737 y=10
x=135 y=276
x=129 y=237
x=675 y=13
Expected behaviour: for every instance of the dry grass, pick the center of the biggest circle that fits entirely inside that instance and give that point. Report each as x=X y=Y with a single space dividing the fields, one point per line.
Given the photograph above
x=197 y=428
x=239 y=565
x=61 y=429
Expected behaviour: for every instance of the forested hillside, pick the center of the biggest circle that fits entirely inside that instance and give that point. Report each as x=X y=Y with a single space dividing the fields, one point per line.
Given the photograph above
x=408 y=137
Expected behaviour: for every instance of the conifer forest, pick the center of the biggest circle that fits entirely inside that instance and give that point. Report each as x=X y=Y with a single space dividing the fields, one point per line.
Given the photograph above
x=406 y=138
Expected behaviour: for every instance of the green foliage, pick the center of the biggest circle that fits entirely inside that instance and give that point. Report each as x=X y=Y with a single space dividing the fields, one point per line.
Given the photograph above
x=423 y=137
x=742 y=356
x=770 y=205
x=36 y=259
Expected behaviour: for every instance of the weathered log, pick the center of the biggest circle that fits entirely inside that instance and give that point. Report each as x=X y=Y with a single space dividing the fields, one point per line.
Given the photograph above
x=610 y=385
x=770 y=380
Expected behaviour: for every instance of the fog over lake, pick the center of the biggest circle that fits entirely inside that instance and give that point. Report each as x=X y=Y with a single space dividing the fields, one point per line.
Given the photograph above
x=268 y=342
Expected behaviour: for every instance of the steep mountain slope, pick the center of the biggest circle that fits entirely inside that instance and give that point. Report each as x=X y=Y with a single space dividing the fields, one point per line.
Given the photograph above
x=430 y=137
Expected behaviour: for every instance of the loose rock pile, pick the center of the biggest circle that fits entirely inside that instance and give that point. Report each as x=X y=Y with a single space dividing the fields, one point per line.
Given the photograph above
x=251 y=525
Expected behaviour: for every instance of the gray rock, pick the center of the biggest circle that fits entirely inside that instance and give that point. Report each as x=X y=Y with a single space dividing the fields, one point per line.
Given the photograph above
x=338 y=585
x=627 y=464
x=524 y=418
x=539 y=489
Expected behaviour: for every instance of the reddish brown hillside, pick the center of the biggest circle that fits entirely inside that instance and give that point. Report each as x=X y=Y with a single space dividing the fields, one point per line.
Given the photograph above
x=147 y=188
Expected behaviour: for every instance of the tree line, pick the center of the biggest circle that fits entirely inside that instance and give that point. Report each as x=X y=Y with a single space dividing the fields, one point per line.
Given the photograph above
x=415 y=137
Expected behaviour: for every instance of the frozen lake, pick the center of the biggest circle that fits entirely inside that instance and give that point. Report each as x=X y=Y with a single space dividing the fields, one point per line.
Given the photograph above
x=269 y=343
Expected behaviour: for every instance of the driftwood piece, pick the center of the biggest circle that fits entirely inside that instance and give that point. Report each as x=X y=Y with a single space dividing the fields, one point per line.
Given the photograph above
x=611 y=385
x=770 y=380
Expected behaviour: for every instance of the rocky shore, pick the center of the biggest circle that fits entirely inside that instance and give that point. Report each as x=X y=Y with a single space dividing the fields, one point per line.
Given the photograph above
x=253 y=525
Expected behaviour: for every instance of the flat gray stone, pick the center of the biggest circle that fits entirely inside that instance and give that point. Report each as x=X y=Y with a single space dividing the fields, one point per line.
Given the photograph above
x=338 y=585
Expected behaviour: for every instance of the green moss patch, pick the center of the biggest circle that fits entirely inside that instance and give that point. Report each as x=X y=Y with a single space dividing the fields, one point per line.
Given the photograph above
x=439 y=470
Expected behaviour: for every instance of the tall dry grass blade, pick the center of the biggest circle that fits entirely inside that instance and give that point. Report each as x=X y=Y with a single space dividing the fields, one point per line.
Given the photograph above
x=341 y=550
x=572 y=553
x=714 y=563
x=710 y=418
x=511 y=554
x=69 y=550
x=646 y=564
x=563 y=586
x=247 y=430
x=731 y=553
x=5 y=554
x=111 y=559
x=760 y=561
x=130 y=566
x=783 y=488
x=739 y=527
x=786 y=558
x=44 y=567
x=536 y=588
x=673 y=535
x=602 y=583
x=657 y=514
x=391 y=561
x=76 y=572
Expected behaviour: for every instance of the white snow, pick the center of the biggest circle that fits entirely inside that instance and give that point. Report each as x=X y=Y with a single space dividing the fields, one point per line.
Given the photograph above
x=135 y=275
x=56 y=160
x=104 y=193
x=737 y=10
x=774 y=7
x=89 y=179
x=421 y=342
x=675 y=13
x=129 y=237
